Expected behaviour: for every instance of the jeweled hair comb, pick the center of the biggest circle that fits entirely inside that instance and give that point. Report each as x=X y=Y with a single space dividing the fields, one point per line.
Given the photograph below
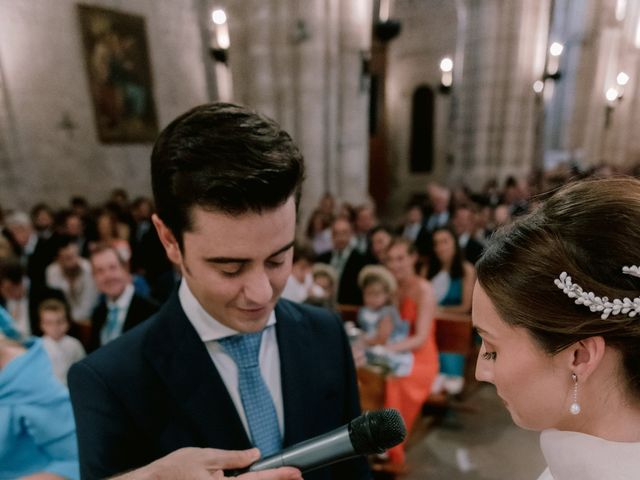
x=617 y=306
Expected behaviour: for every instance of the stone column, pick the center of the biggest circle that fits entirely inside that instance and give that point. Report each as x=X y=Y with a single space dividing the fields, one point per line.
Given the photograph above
x=495 y=117
x=11 y=193
x=608 y=132
x=299 y=62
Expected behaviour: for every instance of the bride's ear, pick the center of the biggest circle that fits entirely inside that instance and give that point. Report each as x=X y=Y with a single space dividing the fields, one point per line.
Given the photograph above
x=587 y=354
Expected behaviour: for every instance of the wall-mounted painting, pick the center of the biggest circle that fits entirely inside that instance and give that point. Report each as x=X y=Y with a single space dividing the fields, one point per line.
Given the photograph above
x=117 y=59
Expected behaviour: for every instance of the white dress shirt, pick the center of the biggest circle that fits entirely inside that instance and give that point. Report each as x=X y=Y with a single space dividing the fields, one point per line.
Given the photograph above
x=322 y=242
x=411 y=231
x=19 y=311
x=83 y=296
x=437 y=220
x=463 y=239
x=210 y=331
x=297 y=291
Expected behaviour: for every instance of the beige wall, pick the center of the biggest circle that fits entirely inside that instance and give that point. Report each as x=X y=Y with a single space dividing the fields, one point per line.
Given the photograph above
x=299 y=61
x=43 y=80
x=429 y=33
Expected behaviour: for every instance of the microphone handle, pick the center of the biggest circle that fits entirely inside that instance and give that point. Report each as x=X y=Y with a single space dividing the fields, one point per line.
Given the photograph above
x=332 y=447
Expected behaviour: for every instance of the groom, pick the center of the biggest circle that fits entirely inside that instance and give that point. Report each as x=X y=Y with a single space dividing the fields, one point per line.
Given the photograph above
x=224 y=363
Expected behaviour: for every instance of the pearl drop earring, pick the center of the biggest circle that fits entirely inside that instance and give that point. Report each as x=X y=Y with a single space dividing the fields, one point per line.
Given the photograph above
x=575 y=406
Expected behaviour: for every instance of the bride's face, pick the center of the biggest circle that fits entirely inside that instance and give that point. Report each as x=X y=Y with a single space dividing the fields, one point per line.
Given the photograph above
x=536 y=387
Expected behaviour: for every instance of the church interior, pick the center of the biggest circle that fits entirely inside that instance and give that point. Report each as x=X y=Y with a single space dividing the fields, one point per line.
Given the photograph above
x=407 y=112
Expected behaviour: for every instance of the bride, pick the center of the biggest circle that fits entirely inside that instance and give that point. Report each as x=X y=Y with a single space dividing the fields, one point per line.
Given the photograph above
x=557 y=304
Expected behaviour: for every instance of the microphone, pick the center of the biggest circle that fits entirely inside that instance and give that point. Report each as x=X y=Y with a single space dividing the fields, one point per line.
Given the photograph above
x=372 y=432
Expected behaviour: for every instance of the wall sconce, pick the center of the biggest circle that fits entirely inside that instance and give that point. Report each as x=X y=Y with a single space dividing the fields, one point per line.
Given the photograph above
x=385 y=28
x=365 y=70
x=538 y=86
x=300 y=32
x=446 y=74
x=67 y=124
x=220 y=41
x=387 y=31
x=614 y=96
x=551 y=71
x=622 y=79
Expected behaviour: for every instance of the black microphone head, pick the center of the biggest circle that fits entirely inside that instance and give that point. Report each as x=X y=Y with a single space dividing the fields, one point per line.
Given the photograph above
x=377 y=431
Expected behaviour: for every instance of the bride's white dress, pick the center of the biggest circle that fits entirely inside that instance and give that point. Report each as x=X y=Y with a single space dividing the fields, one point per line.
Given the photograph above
x=576 y=456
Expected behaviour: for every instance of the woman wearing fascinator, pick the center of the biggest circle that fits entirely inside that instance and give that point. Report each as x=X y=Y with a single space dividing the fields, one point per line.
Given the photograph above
x=557 y=303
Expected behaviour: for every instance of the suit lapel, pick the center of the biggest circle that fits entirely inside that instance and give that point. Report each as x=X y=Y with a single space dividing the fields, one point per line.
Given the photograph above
x=184 y=364
x=100 y=316
x=132 y=314
x=294 y=343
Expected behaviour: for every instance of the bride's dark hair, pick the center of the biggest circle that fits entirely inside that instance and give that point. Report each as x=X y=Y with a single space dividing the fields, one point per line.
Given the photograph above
x=589 y=229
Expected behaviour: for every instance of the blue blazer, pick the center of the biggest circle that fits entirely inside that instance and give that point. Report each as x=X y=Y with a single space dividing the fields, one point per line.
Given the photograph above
x=155 y=389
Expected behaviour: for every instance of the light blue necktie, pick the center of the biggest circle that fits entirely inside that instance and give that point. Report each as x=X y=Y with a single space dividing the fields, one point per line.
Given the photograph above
x=108 y=330
x=256 y=400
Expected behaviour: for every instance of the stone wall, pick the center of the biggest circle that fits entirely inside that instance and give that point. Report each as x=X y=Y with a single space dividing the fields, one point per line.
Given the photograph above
x=300 y=61
x=49 y=147
x=429 y=33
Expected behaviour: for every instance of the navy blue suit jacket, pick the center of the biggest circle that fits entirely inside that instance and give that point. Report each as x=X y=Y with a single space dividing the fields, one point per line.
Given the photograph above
x=155 y=389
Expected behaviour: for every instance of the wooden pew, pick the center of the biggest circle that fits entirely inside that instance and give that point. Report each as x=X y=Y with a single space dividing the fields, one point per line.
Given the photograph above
x=372 y=384
x=453 y=334
x=348 y=313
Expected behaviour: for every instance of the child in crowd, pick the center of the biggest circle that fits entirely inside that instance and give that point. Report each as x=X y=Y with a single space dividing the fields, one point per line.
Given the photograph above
x=380 y=320
x=62 y=349
x=323 y=290
x=300 y=281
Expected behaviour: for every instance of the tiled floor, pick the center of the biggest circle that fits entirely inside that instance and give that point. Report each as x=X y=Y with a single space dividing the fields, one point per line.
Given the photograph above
x=480 y=445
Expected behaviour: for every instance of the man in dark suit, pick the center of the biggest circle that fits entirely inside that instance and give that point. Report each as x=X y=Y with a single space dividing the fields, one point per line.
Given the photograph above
x=224 y=363
x=44 y=251
x=365 y=220
x=22 y=298
x=464 y=225
x=120 y=308
x=347 y=261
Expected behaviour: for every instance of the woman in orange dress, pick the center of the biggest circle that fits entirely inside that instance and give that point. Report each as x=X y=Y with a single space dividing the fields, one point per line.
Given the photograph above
x=417 y=305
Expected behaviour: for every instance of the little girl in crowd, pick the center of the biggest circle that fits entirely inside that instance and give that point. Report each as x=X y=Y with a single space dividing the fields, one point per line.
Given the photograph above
x=323 y=288
x=62 y=349
x=380 y=320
